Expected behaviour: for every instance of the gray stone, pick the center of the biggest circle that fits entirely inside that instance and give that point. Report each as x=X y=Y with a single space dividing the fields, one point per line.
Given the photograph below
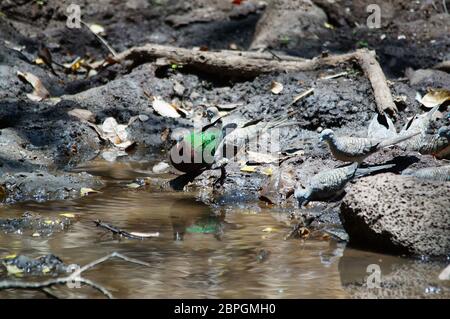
x=401 y=214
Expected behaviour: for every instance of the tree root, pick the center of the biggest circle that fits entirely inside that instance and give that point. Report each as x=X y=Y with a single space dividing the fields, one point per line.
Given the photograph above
x=75 y=277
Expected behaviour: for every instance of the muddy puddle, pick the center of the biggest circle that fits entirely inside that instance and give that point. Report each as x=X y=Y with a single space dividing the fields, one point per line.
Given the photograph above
x=206 y=252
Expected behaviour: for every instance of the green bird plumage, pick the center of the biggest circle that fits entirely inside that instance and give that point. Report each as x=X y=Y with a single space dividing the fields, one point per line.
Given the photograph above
x=196 y=150
x=199 y=150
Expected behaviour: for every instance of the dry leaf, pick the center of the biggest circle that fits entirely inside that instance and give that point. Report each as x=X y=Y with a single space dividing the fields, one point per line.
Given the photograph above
x=248 y=169
x=40 y=92
x=328 y=26
x=434 y=97
x=261 y=158
x=116 y=133
x=97 y=29
x=445 y=274
x=164 y=109
x=276 y=87
x=13 y=269
x=39 y=61
x=267 y=171
x=84 y=115
x=86 y=191
x=165 y=134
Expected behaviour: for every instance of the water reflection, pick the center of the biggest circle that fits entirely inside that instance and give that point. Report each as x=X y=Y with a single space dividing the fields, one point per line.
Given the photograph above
x=224 y=252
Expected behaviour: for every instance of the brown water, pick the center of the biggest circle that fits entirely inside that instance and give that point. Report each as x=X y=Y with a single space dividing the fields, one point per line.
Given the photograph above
x=225 y=264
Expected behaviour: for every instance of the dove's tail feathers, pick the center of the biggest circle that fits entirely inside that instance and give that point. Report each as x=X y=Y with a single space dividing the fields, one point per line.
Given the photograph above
x=369 y=170
x=398 y=139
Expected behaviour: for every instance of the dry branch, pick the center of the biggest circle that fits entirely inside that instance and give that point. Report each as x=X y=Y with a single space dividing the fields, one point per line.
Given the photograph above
x=250 y=64
x=117 y=231
x=74 y=277
x=374 y=73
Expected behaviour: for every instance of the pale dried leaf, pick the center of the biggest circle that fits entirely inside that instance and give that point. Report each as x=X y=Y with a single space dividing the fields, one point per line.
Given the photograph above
x=39 y=61
x=109 y=125
x=445 y=274
x=84 y=115
x=267 y=171
x=86 y=191
x=13 y=269
x=276 y=87
x=248 y=169
x=97 y=29
x=164 y=109
x=40 y=92
x=261 y=158
x=116 y=133
x=434 y=97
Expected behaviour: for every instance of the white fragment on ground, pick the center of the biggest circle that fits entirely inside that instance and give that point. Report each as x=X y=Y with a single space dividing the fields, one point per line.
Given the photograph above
x=160 y=168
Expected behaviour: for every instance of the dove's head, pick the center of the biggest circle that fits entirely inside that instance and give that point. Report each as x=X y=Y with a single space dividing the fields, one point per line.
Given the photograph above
x=302 y=196
x=444 y=132
x=326 y=135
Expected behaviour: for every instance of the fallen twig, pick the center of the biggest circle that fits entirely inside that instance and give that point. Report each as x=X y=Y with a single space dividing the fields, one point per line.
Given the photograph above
x=333 y=76
x=233 y=63
x=374 y=73
x=301 y=96
x=123 y=233
x=98 y=36
x=73 y=278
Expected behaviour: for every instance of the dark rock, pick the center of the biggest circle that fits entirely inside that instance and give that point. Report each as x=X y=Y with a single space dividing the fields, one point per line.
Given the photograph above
x=42 y=186
x=34 y=225
x=393 y=213
x=39 y=266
